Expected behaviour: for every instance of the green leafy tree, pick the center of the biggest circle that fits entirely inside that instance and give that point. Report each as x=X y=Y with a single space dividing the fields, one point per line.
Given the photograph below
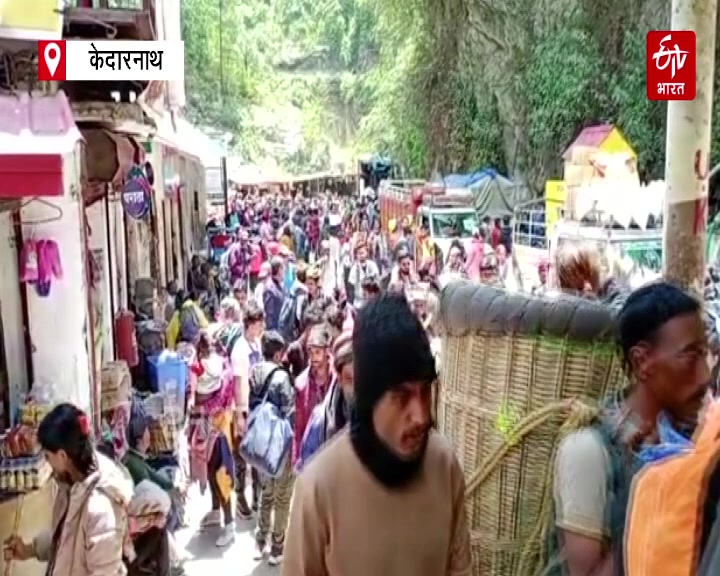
x=563 y=82
x=222 y=65
x=439 y=85
x=642 y=121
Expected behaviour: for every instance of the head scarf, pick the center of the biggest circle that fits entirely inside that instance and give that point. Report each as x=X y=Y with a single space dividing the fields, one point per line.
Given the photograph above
x=390 y=348
x=229 y=310
x=342 y=350
x=319 y=336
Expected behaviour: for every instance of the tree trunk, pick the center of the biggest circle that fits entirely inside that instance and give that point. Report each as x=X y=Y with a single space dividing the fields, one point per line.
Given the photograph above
x=687 y=159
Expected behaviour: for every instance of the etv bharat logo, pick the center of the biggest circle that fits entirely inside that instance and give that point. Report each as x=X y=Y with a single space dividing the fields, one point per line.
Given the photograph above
x=671 y=65
x=674 y=57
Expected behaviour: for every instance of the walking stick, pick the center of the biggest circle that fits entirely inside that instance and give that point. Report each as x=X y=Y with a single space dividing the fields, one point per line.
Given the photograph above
x=16 y=527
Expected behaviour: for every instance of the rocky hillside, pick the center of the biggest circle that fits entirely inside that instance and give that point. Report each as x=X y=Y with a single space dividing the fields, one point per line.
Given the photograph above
x=438 y=84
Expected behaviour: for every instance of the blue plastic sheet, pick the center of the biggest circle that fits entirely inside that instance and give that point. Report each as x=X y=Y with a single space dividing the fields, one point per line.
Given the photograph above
x=469 y=180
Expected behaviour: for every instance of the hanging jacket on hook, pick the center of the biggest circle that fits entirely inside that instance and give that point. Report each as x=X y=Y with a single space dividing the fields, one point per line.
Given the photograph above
x=49 y=265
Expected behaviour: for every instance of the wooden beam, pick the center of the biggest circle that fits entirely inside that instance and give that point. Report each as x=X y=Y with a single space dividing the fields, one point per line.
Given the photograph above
x=93 y=15
x=131 y=24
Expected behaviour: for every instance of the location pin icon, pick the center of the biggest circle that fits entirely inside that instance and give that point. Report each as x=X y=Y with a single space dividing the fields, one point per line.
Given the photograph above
x=52 y=57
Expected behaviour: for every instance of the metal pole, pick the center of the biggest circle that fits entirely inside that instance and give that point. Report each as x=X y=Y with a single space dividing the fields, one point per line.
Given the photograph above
x=224 y=180
x=688 y=155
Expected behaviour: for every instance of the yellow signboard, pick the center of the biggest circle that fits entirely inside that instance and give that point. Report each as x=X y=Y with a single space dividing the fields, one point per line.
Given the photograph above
x=555 y=195
x=31 y=20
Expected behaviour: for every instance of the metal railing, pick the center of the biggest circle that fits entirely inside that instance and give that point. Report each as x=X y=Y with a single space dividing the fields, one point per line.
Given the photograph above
x=529 y=228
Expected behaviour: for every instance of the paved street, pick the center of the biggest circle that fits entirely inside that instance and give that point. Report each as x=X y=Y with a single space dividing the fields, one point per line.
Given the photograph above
x=204 y=558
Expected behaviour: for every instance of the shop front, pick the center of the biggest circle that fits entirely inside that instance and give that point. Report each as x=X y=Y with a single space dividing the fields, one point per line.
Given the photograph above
x=113 y=169
x=180 y=199
x=40 y=165
x=44 y=302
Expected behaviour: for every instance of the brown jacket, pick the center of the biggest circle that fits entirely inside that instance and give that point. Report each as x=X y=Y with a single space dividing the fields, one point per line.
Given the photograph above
x=95 y=526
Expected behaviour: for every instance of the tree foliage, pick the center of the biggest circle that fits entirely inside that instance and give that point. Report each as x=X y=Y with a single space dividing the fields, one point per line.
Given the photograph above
x=563 y=84
x=222 y=64
x=520 y=79
x=439 y=85
x=284 y=76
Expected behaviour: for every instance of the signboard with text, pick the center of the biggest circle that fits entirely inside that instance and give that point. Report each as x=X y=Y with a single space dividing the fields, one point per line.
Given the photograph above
x=96 y=60
x=136 y=194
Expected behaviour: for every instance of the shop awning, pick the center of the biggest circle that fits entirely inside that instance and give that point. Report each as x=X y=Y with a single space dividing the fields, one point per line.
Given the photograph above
x=109 y=156
x=254 y=175
x=35 y=134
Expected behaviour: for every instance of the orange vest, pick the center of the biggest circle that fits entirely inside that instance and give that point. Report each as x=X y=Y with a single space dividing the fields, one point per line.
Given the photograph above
x=664 y=522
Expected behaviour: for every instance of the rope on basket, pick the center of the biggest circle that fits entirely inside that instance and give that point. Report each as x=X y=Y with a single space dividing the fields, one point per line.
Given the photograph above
x=16 y=527
x=579 y=414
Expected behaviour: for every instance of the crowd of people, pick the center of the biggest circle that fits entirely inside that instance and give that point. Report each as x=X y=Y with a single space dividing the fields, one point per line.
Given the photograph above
x=311 y=409
x=289 y=290
x=269 y=326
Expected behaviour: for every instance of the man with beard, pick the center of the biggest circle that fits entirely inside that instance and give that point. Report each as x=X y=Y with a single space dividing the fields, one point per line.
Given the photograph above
x=341 y=396
x=296 y=359
x=360 y=269
x=333 y=414
x=402 y=271
x=386 y=496
x=664 y=348
x=314 y=382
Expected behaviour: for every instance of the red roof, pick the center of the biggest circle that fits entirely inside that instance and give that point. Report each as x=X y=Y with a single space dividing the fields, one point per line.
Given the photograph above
x=590 y=137
x=37 y=124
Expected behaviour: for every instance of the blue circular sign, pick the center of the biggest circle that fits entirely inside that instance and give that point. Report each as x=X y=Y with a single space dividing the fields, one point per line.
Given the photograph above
x=135 y=198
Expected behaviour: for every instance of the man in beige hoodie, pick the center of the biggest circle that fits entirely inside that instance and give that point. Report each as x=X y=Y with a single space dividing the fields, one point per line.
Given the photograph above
x=387 y=496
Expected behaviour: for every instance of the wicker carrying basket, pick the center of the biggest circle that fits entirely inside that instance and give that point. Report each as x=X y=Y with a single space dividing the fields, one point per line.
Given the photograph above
x=516 y=372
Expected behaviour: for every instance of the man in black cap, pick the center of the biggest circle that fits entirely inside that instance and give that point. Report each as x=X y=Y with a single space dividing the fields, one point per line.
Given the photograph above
x=387 y=495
